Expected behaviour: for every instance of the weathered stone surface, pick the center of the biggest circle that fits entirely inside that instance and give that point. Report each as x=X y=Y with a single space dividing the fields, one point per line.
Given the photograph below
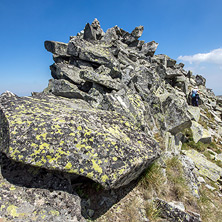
x=101 y=79
x=89 y=32
x=219 y=100
x=189 y=172
x=175 y=112
x=66 y=89
x=200 y=134
x=65 y=71
x=165 y=60
x=204 y=166
x=210 y=187
x=110 y=35
x=97 y=53
x=174 y=213
x=219 y=157
x=181 y=83
x=32 y=194
x=172 y=73
x=172 y=143
x=49 y=133
x=137 y=32
x=128 y=104
x=149 y=48
x=58 y=48
x=194 y=112
x=200 y=80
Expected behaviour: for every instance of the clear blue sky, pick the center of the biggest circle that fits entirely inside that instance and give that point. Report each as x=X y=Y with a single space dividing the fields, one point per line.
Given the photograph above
x=185 y=29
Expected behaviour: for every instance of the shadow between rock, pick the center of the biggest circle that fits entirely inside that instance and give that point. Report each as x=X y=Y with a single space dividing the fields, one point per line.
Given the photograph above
x=95 y=200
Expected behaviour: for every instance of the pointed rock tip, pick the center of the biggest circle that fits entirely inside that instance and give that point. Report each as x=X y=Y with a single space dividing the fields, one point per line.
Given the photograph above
x=95 y=23
x=138 y=31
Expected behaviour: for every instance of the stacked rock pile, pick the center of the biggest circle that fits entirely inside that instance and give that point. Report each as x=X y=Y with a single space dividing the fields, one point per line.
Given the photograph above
x=99 y=118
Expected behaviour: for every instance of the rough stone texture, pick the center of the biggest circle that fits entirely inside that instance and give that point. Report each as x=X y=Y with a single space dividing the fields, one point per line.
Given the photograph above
x=219 y=157
x=49 y=133
x=66 y=89
x=200 y=134
x=191 y=178
x=194 y=112
x=204 y=166
x=175 y=112
x=65 y=71
x=136 y=95
x=97 y=53
x=101 y=79
x=32 y=194
x=58 y=48
x=173 y=213
x=128 y=104
x=89 y=33
x=219 y=101
x=149 y=48
x=165 y=60
x=200 y=80
x=172 y=143
x=137 y=32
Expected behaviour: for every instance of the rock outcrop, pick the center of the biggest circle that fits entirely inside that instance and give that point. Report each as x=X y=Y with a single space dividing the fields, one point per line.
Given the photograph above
x=50 y=133
x=110 y=106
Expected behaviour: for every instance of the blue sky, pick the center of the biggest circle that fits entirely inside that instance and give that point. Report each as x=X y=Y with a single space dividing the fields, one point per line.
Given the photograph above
x=188 y=31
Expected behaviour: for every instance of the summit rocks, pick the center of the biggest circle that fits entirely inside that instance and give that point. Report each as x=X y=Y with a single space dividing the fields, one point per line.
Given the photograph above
x=50 y=133
x=111 y=109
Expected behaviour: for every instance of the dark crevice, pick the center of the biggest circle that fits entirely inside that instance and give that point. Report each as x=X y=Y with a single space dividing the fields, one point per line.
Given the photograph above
x=93 y=196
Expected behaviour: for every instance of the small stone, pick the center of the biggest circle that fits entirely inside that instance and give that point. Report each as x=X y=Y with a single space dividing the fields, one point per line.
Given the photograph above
x=137 y=32
x=201 y=179
x=210 y=187
x=219 y=194
x=90 y=212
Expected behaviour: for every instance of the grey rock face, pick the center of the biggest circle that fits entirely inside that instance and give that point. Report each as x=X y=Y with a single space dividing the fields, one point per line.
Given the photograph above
x=93 y=31
x=200 y=80
x=194 y=112
x=37 y=195
x=175 y=111
x=58 y=48
x=66 y=89
x=96 y=144
x=137 y=32
x=205 y=167
x=200 y=134
x=173 y=213
x=101 y=79
x=98 y=30
x=87 y=51
x=191 y=178
x=89 y=32
x=67 y=72
x=149 y=48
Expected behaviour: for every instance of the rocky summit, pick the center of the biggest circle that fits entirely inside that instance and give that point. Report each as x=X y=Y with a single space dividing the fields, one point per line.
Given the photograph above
x=113 y=137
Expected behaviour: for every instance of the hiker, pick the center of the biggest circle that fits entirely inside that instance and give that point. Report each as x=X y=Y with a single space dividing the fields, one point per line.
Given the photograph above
x=195 y=96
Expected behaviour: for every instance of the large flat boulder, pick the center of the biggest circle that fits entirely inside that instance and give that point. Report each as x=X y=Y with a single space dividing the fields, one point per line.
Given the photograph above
x=97 y=53
x=58 y=48
x=200 y=134
x=65 y=71
x=204 y=166
x=194 y=112
x=62 y=87
x=31 y=194
x=57 y=134
x=175 y=112
x=102 y=79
